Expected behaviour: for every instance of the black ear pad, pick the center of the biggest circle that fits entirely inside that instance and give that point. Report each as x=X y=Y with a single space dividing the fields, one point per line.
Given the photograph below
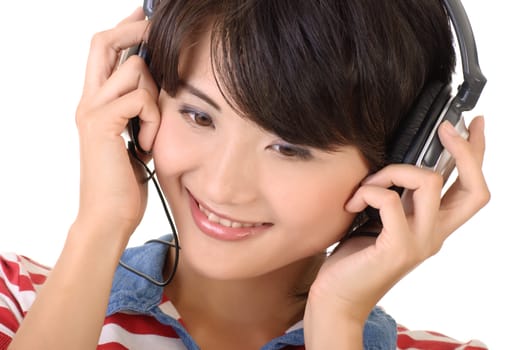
x=415 y=129
x=414 y=132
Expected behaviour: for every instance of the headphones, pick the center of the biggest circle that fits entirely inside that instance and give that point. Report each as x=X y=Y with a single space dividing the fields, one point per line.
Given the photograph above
x=418 y=142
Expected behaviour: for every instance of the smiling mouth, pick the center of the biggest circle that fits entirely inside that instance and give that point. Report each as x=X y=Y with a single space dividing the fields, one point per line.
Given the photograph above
x=221 y=227
x=226 y=222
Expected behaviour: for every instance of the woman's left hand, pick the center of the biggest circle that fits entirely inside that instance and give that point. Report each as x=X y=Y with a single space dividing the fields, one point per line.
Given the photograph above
x=362 y=270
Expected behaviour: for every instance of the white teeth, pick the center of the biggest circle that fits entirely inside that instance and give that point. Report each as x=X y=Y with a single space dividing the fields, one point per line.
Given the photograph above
x=213 y=218
x=225 y=222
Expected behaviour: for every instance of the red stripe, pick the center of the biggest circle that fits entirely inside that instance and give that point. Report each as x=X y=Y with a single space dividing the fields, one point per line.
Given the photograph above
x=4 y=341
x=141 y=324
x=12 y=272
x=37 y=278
x=8 y=319
x=111 y=346
x=5 y=294
x=407 y=342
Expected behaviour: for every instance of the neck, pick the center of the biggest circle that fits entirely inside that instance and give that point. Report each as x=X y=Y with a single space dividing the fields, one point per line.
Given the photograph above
x=269 y=303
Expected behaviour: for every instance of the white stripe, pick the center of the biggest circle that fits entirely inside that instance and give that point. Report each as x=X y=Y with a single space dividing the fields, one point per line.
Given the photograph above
x=8 y=303
x=25 y=298
x=5 y=330
x=10 y=256
x=474 y=342
x=33 y=266
x=114 y=333
x=169 y=309
x=26 y=265
x=426 y=336
x=297 y=325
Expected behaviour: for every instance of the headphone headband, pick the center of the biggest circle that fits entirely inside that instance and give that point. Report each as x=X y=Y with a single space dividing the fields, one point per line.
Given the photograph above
x=148 y=7
x=469 y=91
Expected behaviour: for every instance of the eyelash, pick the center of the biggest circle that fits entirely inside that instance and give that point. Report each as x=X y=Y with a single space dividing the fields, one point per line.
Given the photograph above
x=286 y=150
x=295 y=152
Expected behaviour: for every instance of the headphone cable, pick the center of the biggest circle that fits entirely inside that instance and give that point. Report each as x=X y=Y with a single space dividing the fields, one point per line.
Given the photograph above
x=175 y=244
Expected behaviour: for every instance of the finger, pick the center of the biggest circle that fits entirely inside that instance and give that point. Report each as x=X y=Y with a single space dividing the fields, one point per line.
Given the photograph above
x=468 y=155
x=137 y=15
x=469 y=192
x=132 y=75
x=420 y=182
x=460 y=148
x=105 y=49
x=477 y=137
x=136 y=103
x=385 y=200
x=401 y=175
x=421 y=197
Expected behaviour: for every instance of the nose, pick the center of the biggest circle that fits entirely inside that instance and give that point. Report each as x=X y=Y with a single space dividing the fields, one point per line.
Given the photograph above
x=231 y=174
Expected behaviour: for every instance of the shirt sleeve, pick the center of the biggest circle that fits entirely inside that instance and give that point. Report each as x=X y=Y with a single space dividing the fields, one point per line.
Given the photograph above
x=20 y=280
x=427 y=340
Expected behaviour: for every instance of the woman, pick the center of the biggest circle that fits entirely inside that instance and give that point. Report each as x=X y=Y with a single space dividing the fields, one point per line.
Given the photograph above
x=270 y=124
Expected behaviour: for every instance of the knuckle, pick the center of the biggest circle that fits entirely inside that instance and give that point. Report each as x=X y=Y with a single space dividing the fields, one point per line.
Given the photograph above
x=391 y=198
x=435 y=180
x=99 y=39
x=82 y=122
x=80 y=114
x=433 y=249
x=142 y=94
x=483 y=197
x=426 y=250
x=136 y=62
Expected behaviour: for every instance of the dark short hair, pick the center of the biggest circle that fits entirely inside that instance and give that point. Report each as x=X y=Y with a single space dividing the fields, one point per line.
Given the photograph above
x=321 y=73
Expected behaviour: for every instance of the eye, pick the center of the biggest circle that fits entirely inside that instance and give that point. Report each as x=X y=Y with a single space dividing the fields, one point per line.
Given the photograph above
x=291 y=151
x=196 y=117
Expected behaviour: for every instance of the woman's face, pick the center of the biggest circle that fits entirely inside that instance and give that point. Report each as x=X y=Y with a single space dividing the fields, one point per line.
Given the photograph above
x=245 y=201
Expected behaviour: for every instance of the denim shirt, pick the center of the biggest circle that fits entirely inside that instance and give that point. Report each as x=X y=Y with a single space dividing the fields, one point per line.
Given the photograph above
x=133 y=293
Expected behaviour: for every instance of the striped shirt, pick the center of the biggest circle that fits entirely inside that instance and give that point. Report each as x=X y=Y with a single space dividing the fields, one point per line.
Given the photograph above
x=139 y=316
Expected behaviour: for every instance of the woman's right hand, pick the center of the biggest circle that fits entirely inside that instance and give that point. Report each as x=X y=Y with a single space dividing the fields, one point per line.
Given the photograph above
x=112 y=195
x=112 y=185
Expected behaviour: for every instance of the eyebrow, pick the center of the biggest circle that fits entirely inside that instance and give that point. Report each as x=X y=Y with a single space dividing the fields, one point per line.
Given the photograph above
x=200 y=94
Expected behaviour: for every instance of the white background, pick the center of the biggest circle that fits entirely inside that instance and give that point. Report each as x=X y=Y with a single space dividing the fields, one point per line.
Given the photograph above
x=472 y=289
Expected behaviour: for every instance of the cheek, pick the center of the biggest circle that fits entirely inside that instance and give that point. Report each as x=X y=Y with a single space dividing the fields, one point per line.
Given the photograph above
x=171 y=152
x=314 y=210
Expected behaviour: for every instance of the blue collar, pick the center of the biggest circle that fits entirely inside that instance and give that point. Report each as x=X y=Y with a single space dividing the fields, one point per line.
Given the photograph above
x=133 y=293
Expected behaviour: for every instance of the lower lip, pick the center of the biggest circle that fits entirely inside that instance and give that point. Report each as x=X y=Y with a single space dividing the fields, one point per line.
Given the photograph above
x=218 y=231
